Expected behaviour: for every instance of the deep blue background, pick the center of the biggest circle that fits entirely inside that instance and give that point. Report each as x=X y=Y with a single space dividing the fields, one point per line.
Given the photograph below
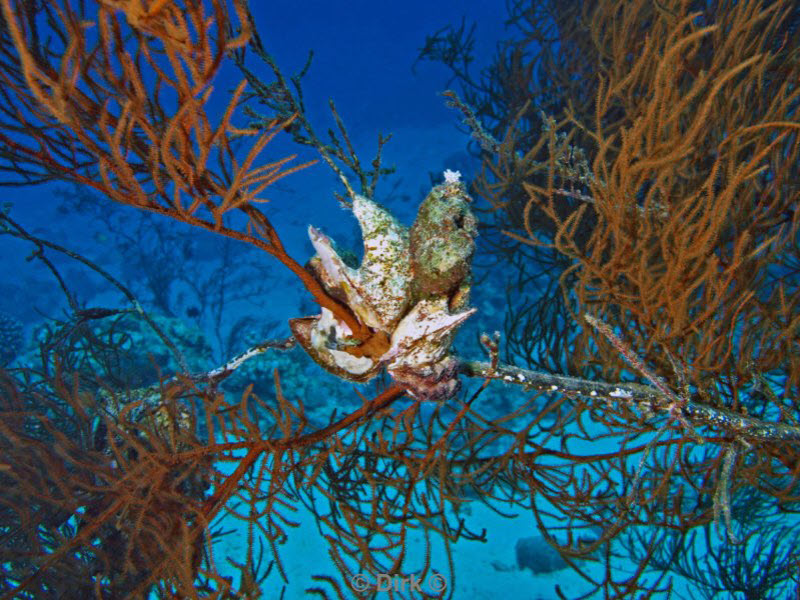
x=363 y=58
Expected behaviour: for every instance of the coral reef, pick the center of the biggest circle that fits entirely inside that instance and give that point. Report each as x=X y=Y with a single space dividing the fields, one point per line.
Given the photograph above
x=640 y=173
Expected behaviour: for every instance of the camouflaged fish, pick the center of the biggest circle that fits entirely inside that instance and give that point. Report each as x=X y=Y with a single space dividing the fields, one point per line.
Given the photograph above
x=412 y=287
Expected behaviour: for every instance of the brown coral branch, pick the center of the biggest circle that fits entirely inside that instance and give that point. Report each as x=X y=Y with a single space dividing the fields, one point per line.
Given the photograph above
x=648 y=400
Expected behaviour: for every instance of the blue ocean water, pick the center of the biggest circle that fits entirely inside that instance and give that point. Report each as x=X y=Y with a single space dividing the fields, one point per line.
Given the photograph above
x=364 y=59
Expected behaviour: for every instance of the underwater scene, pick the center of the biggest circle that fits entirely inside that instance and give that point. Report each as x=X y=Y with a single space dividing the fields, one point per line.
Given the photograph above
x=364 y=300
